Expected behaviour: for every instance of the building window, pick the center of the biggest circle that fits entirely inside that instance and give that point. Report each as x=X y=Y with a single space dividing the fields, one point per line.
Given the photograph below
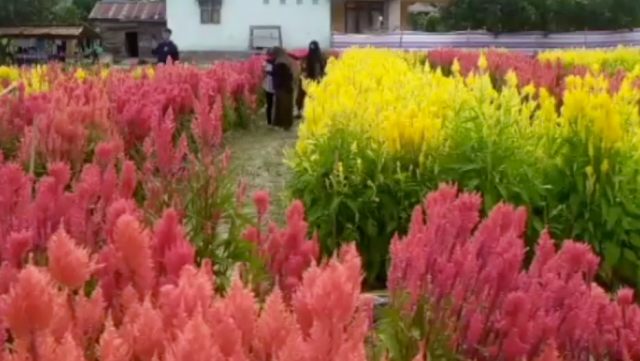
x=210 y=11
x=315 y=2
x=266 y=2
x=283 y=2
x=299 y=2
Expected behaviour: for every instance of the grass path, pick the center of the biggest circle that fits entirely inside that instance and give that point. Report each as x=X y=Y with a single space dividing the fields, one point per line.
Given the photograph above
x=258 y=156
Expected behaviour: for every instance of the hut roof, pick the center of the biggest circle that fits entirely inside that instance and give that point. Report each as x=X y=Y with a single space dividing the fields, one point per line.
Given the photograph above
x=129 y=11
x=57 y=32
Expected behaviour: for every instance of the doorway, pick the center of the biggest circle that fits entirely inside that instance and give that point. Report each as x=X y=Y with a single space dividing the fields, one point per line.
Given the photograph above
x=364 y=16
x=131 y=44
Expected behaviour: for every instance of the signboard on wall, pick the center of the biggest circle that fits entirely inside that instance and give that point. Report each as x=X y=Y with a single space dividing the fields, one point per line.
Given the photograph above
x=262 y=37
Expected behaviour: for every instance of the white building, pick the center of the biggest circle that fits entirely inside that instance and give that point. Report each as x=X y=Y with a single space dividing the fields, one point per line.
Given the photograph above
x=226 y=25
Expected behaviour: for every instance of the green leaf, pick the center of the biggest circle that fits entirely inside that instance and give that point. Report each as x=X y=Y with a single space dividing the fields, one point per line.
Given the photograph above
x=611 y=253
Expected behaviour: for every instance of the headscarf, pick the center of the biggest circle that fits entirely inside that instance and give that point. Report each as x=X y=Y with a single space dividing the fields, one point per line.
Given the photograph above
x=282 y=57
x=315 y=61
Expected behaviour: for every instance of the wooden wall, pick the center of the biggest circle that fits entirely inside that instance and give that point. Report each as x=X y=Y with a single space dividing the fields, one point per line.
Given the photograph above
x=114 y=41
x=338 y=16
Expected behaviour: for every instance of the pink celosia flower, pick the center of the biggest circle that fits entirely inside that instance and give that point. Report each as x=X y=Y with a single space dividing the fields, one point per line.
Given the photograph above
x=262 y=200
x=329 y=307
x=89 y=316
x=69 y=264
x=473 y=278
x=171 y=249
x=194 y=290
x=142 y=328
x=18 y=244
x=288 y=252
x=242 y=308
x=194 y=342
x=67 y=349
x=274 y=328
x=132 y=243
x=112 y=346
x=128 y=179
x=29 y=304
x=106 y=152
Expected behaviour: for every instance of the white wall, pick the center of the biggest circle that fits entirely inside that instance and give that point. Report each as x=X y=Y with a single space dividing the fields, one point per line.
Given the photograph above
x=394 y=21
x=300 y=23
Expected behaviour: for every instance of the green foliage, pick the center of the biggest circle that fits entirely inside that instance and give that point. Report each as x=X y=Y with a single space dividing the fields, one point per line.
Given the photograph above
x=402 y=334
x=428 y=22
x=542 y=15
x=215 y=221
x=44 y=12
x=353 y=193
x=236 y=115
x=596 y=198
x=214 y=217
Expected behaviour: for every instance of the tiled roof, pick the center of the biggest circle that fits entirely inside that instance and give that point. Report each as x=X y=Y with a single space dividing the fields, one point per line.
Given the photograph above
x=154 y=11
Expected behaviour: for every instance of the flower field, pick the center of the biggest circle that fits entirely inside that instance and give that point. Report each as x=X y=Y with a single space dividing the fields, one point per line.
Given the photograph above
x=383 y=129
x=126 y=236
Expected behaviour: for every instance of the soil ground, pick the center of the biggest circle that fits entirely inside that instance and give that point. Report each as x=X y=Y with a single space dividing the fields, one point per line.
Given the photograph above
x=258 y=157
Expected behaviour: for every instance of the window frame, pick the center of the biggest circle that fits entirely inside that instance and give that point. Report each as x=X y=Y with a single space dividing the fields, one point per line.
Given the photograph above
x=210 y=12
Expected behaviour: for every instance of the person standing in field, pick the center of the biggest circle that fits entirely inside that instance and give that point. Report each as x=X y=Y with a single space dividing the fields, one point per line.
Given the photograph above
x=166 y=49
x=313 y=69
x=267 y=85
x=283 y=86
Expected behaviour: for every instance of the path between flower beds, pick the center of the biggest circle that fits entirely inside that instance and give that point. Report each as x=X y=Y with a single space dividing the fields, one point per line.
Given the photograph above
x=258 y=156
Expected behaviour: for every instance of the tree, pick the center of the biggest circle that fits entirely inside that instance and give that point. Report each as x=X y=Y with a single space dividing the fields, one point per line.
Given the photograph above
x=44 y=12
x=27 y=12
x=544 y=15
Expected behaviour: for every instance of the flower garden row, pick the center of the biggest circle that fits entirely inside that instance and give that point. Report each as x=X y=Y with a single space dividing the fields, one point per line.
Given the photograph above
x=381 y=130
x=123 y=235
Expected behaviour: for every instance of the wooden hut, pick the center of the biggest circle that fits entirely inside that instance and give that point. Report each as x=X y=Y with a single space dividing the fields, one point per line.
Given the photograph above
x=37 y=44
x=128 y=28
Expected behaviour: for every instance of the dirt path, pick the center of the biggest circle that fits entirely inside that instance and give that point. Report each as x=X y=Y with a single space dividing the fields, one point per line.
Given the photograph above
x=258 y=156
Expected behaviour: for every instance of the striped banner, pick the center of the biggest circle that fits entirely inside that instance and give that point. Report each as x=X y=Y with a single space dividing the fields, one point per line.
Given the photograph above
x=526 y=42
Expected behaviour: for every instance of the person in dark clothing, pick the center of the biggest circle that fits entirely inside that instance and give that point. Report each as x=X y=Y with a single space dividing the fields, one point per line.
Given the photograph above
x=283 y=86
x=166 y=49
x=267 y=85
x=313 y=69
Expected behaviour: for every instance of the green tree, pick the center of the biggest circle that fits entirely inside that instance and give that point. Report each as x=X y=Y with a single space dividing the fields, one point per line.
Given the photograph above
x=44 y=12
x=544 y=15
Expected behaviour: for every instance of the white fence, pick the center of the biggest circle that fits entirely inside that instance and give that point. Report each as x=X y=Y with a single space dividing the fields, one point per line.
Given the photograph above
x=526 y=41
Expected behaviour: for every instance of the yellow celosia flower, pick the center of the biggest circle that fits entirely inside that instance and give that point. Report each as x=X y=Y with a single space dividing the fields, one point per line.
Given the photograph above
x=104 y=73
x=35 y=80
x=150 y=72
x=483 y=64
x=626 y=58
x=371 y=89
x=80 y=74
x=385 y=103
